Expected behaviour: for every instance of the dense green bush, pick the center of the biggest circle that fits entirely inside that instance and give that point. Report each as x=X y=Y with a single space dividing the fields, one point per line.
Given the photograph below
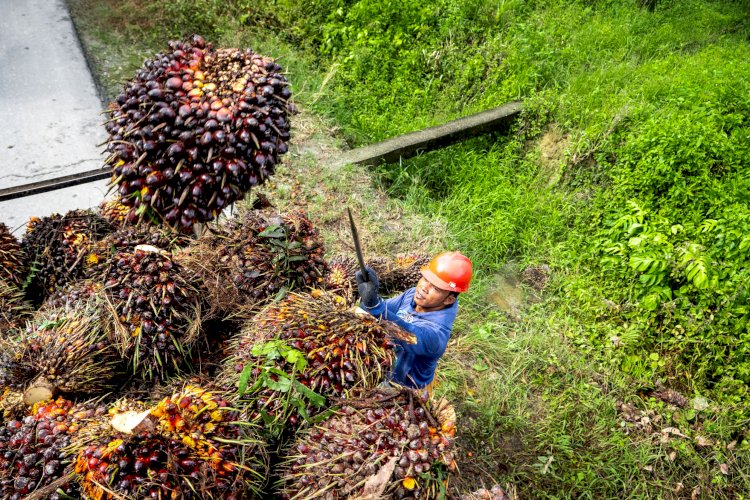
x=673 y=239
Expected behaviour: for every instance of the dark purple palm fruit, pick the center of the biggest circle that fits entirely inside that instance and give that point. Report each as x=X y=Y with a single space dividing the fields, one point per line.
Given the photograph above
x=194 y=130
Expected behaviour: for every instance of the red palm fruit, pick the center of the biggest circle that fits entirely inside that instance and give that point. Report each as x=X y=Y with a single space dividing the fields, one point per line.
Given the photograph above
x=34 y=451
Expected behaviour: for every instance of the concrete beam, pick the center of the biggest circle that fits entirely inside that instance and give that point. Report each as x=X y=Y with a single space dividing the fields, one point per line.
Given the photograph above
x=408 y=145
x=53 y=184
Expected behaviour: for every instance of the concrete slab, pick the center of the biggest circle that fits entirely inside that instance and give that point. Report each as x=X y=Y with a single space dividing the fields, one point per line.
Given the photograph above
x=405 y=146
x=49 y=108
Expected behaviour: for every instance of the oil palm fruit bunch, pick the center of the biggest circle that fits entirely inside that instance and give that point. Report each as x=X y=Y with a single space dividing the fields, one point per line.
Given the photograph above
x=340 y=277
x=196 y=417
x=398 y=274
x=189 y=445
x=318 y=346
x=154 y=310
x=195 y=129
x=14 y=309
x=57 y=246
x=12 y=258
x=126 y=239
x=396 y=428
x=254 y=257
x=64 y=351
x=34 y=451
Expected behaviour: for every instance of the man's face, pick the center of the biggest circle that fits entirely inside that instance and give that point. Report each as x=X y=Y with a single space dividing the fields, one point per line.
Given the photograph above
x=428 y=297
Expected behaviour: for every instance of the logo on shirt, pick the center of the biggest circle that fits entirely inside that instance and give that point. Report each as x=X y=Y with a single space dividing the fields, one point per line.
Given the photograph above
x=406 y=316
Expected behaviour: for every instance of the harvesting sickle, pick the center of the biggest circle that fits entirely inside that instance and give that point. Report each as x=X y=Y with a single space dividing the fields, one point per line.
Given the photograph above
x=357 y=247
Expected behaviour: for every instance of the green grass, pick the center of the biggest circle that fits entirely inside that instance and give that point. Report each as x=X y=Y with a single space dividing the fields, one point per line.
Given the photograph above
x=650 y=108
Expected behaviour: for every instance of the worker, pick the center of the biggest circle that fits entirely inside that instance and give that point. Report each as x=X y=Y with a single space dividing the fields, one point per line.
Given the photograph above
x=427 y=311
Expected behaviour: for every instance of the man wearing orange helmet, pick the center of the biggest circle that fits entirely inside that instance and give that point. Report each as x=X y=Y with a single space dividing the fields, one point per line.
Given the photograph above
x=427 y=310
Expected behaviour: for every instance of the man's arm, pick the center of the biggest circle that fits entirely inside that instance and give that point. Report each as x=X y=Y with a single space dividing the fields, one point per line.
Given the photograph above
x=431 y=337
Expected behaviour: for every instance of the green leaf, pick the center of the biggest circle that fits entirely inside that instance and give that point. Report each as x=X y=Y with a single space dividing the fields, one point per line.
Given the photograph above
x=480 y=366
x=697 y=273
x=281 y=294
x=642 y=264
x=651 y=302
x=635 y=229
x=275 y=231
x=313 y=396
x=296 y=358
x=268 y=350
x=303 y=412
x=635 y=242
x=267 y=419
x=650 y=279
x=708 y=225
x=322 y=416
x=283 y=384
x=244 y=377
x=47 y=325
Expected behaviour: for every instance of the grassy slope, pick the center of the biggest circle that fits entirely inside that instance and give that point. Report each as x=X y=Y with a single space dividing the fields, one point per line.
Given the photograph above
x=535 y=412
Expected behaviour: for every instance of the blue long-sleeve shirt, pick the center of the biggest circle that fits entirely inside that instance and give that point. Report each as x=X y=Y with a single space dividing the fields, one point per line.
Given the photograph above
x=416 y=363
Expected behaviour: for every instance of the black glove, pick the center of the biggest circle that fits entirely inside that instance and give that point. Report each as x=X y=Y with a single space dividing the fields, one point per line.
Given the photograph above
x=368 y=290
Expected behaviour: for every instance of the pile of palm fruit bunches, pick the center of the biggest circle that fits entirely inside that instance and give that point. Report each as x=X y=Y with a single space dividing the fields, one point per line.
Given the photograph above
x=140 y=357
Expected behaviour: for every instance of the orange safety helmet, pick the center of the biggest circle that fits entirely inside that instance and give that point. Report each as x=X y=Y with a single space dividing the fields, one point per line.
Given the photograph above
x=449 y=271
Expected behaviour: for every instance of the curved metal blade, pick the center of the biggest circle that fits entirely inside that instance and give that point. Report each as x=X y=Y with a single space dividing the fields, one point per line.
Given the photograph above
x=357 y=246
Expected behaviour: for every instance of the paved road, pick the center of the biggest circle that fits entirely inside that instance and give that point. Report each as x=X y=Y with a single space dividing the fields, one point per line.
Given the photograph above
x=50 y=112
